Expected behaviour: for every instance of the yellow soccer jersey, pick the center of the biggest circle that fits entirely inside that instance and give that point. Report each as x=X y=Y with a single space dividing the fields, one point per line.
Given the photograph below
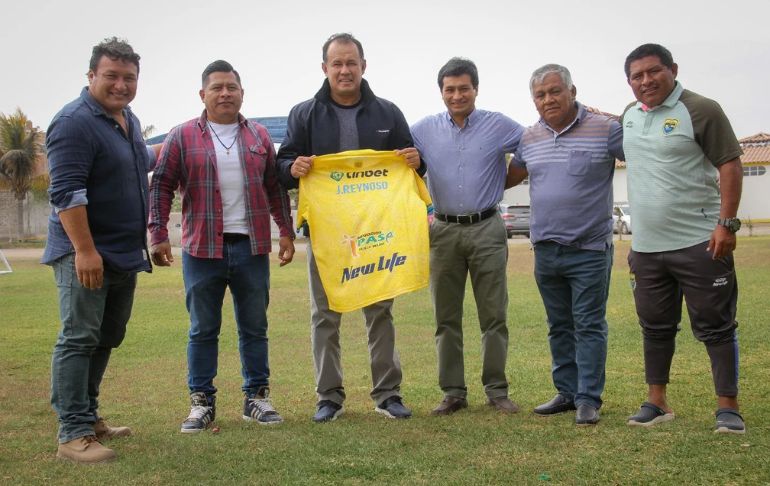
x=367 y=212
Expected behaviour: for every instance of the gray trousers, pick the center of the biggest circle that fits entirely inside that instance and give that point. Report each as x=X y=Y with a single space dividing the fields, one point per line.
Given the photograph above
x=481 y=250
x=325 y=340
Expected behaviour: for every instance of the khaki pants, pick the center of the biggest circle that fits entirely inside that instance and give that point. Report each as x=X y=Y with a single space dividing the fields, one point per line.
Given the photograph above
x=481 y=250
x=325 y=340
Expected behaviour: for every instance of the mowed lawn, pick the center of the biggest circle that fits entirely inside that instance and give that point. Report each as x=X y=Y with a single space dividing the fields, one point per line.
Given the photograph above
x=145 y=387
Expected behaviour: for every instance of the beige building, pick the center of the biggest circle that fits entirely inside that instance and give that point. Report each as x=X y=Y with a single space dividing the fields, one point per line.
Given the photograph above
x=755 y=201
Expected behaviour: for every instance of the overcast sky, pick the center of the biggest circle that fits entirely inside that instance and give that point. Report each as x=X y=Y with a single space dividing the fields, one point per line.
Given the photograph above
x=722 y=48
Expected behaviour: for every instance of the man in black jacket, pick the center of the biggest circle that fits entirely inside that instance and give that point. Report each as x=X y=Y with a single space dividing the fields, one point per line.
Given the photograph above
x=346 y=115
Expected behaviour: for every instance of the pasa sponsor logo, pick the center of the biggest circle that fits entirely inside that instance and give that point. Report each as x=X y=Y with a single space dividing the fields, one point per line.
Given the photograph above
x=367 y=241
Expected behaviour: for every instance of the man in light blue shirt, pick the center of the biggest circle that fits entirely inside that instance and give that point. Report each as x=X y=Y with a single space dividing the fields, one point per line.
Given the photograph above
x=569 y=156
x=464 y=150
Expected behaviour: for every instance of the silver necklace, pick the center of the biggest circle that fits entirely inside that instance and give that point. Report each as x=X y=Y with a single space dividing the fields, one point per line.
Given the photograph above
x=227 y=149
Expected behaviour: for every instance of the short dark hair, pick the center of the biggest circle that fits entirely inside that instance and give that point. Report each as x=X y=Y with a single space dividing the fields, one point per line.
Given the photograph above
x=218 y=66
x=344 y=38
x=115 y=49
x=457 y=66
x=649 y=50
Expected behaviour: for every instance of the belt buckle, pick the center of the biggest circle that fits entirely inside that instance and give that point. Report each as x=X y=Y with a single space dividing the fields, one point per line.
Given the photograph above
x=465 y=219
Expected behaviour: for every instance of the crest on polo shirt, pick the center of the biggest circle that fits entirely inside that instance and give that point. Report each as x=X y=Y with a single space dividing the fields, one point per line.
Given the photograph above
x=669 y=125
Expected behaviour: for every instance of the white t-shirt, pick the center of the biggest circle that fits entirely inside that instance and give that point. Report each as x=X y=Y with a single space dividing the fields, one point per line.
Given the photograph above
x=230 y=174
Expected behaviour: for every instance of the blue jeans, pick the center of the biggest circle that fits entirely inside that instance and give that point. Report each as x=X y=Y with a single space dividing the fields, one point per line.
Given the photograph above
x=92 y=323
x=574 y=285
x=205 y=281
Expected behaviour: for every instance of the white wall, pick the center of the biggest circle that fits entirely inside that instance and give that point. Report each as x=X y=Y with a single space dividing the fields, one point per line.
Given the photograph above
x=755 y=199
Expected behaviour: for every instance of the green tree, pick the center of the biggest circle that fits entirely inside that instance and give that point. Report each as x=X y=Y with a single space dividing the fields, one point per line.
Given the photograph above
x=20 y=146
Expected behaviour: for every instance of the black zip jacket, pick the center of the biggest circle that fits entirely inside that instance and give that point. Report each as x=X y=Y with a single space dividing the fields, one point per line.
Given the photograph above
x=313 y=129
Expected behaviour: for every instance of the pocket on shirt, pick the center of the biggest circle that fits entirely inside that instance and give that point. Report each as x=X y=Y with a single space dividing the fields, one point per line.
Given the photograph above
x=579 y=162
x=256 y=161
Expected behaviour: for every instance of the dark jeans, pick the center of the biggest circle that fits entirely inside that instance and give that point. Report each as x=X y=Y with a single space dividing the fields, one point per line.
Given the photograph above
x=92 y=323
x=574 y=285
x=205 y=281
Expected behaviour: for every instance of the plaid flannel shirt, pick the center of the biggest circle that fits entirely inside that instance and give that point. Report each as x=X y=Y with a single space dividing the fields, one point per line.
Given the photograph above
x=188 y=161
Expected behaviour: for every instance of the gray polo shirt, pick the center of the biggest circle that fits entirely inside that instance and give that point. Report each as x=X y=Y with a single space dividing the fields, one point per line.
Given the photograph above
x=674 y=150
x=570 y=179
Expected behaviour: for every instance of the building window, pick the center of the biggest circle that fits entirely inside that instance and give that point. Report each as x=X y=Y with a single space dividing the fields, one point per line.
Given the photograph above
x=754 y=170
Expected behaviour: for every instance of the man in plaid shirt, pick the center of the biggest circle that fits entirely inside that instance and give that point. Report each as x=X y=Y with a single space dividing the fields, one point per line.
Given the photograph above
x=224 y=166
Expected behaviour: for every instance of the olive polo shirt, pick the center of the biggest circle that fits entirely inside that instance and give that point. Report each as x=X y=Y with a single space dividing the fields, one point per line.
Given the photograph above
x=672 y=154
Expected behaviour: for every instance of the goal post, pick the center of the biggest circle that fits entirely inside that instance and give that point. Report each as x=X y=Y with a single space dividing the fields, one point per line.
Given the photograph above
x=5 y=267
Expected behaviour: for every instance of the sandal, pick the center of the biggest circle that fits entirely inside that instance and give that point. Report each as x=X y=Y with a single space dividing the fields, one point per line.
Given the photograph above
x=729 y=421
x=650 y=414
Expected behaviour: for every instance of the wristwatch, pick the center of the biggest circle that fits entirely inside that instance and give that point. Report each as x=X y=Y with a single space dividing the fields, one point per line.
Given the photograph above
x=732 y=224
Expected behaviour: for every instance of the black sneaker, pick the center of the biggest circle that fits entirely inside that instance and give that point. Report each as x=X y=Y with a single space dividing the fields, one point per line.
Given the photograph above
x=393 y=408
x=327 y=411
x=257 y=408
x=202 y=412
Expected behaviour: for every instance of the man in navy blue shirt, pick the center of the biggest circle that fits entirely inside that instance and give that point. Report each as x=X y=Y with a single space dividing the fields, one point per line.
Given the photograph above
x=98 y=166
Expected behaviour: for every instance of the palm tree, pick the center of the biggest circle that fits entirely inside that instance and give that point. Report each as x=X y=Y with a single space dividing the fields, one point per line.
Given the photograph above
x=148 y=131
x=19 y=148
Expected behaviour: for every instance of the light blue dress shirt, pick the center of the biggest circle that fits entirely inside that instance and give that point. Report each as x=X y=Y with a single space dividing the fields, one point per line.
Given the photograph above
x=466 y=166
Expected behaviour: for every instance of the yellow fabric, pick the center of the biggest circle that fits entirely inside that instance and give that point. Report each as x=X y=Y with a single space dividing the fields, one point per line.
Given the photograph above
x=368 y=224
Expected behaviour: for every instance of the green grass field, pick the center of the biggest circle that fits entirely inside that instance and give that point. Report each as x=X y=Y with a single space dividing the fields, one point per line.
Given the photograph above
x=145 y=388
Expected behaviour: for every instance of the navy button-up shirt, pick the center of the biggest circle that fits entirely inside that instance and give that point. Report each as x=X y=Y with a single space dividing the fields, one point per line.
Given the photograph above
x=93 y=162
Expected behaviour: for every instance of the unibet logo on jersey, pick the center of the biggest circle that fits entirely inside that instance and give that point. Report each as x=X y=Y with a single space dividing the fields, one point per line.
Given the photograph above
x=367 y=212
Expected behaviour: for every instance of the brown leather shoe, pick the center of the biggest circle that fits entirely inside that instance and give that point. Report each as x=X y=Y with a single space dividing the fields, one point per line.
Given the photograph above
x=450 y=405
x=105 y=432
x=85 y=450
x=503 y=404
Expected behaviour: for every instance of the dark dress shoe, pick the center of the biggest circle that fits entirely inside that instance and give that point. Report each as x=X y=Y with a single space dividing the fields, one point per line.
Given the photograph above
x=450 y=405
x=586 y=415
x=558 y=404
x=503 y=404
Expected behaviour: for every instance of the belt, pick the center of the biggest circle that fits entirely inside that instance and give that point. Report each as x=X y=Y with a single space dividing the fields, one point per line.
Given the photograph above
x=466 y=218
x=233 y=237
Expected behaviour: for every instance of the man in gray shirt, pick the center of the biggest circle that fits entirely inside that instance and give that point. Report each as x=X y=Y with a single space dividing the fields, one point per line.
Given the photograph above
x=569 y=156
